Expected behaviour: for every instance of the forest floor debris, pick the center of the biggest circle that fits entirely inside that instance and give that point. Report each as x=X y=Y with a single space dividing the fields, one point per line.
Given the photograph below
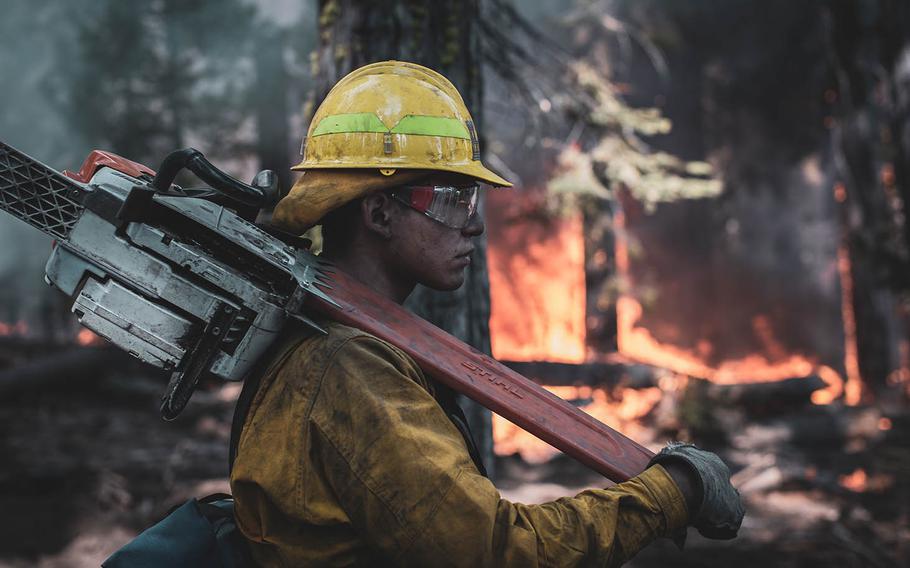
x=88 y=466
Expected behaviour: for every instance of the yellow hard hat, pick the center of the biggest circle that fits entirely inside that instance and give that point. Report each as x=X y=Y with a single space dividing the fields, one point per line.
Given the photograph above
x=395 y=115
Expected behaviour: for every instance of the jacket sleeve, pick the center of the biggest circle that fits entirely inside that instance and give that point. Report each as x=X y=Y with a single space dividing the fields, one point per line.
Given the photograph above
x=403 y=475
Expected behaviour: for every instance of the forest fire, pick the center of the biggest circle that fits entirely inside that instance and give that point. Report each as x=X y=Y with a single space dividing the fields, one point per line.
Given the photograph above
x=638 y=344
x=537 y=284
x=775 y=364
x=537 y=293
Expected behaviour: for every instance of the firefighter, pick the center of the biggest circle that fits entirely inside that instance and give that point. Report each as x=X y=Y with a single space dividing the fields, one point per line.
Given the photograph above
x=350 y=455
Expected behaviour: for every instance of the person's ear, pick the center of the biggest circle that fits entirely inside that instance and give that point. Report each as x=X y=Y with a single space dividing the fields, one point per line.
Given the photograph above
x=377 y=211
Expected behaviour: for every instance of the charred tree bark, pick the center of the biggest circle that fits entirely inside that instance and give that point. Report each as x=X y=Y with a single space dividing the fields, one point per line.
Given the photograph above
x=870 y=46
x=441 y=35
x=600 y=279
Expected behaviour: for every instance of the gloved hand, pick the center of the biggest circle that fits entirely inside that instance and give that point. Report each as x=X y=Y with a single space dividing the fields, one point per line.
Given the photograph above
x=720 y=511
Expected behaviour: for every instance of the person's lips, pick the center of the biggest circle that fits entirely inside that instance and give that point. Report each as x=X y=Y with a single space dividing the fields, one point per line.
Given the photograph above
x=465 y=257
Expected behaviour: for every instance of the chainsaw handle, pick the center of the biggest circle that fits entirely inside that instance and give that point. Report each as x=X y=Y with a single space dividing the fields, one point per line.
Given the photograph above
x=193 y=160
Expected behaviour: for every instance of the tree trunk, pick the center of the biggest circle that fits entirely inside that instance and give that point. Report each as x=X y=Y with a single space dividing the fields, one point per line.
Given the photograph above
x=869 y=57
x=600 y=274
x=441 y=35
x=271 y=106
x=174 y=73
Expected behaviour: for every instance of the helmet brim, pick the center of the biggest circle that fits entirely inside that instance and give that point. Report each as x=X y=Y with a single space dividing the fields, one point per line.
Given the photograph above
x=475 y=170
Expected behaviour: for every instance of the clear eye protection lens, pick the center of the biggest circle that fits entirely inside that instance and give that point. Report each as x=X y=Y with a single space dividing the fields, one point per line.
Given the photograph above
x=453 y=206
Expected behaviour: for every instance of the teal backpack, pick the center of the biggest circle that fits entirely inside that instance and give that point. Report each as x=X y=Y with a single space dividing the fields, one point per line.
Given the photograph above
x=198 y=534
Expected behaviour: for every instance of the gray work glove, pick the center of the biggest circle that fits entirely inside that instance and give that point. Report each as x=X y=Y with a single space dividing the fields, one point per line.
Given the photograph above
x=721 y=510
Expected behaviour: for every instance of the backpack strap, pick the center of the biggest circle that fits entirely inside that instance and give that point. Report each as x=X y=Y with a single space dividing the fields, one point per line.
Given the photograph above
x=268 y=364
x=241 y=410
x=447 y=399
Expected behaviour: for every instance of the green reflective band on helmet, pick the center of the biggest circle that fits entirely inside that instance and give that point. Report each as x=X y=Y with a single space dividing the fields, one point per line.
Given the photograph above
x=411 y=124
x=432 y=126
x=355 y=122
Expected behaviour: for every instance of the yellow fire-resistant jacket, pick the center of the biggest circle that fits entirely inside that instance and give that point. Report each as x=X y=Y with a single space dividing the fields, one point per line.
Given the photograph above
x=346 y=459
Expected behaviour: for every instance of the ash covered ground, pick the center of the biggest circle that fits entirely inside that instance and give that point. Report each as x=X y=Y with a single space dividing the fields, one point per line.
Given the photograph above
x=88 y=464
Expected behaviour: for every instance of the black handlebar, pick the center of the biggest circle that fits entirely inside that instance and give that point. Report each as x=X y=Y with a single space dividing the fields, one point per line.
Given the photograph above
x=193 y=160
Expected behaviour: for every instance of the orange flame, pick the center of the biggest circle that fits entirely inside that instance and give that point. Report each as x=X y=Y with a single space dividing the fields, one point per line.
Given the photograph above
x=854 y=387
x=638 y=343
x=537 y=291
x=776 y=364
x=620 y=411
x=855 y=481
x=834 y=389
x=859 y=481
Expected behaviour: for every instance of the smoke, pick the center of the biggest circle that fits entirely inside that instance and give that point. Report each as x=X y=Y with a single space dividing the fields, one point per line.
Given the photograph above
x=73 y=81
x=761 y=261
x=29 y=34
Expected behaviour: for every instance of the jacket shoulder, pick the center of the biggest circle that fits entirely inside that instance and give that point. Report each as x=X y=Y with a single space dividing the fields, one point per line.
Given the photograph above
x=353 y=352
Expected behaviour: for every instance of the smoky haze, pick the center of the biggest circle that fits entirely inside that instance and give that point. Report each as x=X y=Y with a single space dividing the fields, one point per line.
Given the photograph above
x=144 y=79
x=755 y=270
x=141 y=79
x=29 y=35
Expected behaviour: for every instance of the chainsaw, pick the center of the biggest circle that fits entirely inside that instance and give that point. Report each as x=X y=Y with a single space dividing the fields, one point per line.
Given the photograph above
x=184 y=280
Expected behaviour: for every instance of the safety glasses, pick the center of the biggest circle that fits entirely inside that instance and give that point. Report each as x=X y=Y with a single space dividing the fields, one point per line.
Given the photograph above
x=453 y=206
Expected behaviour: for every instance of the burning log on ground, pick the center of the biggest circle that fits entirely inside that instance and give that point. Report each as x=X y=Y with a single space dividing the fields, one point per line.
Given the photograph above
x=767 y=397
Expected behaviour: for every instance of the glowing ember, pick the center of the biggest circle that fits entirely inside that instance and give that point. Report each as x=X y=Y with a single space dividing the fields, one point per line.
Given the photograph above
x=859 y=481
x=884 y=424
x=855 y=481
x=621 y=411
x=86 y=337
x=834 y=389
x=537 y=290
x=18 y=328
x=840 y=192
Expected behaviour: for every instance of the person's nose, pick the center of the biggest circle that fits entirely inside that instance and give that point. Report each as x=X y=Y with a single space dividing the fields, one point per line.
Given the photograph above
x=475 y=227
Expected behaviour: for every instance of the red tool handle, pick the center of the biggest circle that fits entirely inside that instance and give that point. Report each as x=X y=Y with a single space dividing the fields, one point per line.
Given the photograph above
x=483 y=379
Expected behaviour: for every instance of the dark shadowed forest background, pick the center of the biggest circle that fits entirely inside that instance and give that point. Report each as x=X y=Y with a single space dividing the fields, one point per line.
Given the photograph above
x=707 y=240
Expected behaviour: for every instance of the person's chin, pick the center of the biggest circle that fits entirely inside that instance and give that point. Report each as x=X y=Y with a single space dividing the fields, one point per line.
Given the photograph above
x=448 y=284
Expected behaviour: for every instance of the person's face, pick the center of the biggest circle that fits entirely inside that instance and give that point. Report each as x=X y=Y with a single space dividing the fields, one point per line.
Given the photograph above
x=432 y=253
